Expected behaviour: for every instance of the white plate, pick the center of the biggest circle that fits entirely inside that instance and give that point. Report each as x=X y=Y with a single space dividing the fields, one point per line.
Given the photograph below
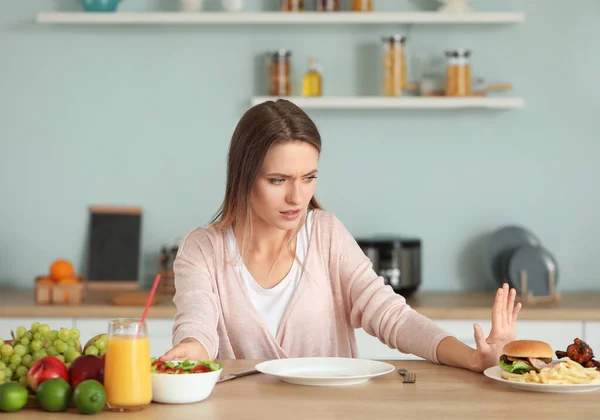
x=494 y=373
x=324 y=371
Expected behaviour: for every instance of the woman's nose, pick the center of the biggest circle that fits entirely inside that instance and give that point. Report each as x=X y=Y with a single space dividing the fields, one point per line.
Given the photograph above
x=293 y=193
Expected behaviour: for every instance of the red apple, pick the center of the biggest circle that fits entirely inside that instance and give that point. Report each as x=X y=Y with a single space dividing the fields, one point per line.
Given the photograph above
x=46 y=368
x=86 y=367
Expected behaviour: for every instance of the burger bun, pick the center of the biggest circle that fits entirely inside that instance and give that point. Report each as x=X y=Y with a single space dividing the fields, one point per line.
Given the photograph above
x=528 y=348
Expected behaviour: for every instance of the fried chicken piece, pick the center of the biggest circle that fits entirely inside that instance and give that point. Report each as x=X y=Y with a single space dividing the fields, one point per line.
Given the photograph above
x=580 y=352
x=561 y=354
x=592 y=364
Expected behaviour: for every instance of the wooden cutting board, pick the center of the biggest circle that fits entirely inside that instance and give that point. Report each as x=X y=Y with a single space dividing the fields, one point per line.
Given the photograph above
x=133 y=299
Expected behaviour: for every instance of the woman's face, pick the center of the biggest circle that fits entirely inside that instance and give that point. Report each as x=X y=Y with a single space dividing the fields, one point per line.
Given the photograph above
x=285 y=184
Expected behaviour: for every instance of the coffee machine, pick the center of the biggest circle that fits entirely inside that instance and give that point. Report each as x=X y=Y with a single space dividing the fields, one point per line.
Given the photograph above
x=397 y=259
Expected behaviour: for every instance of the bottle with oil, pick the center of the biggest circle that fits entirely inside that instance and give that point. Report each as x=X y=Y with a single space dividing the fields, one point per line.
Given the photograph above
x=312 y=82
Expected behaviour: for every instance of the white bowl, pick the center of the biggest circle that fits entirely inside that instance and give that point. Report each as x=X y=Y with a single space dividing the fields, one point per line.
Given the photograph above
x=183 y=388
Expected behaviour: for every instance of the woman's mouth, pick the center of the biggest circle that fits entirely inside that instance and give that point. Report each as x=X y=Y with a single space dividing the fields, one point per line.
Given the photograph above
x=290 y=215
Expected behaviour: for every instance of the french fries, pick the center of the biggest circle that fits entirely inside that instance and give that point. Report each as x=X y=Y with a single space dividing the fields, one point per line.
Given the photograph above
x=565 y=372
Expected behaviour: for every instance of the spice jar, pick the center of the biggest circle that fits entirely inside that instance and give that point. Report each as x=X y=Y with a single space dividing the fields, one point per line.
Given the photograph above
x=279 y=73
x=292 y=5
x=458 y=73
x=394 y=65
x=362 y=5
x=327 y=5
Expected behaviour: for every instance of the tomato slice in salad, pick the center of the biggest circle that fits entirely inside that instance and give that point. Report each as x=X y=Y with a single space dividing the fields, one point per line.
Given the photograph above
x=201 y=369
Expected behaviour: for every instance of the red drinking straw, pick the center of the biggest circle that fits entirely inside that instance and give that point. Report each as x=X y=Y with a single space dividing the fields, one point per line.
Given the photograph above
x=150 y=299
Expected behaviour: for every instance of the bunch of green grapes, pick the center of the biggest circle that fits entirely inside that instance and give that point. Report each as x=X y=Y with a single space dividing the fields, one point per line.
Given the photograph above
x=97 y=345
x=31 y=345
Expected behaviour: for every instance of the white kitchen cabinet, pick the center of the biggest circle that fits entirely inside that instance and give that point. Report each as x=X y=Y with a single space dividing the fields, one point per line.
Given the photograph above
x=8 y=324
x=592 y=337
x=558 y=334
x=159 y=331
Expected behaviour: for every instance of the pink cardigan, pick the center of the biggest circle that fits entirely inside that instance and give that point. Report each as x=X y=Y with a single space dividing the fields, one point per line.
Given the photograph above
x=338 y=292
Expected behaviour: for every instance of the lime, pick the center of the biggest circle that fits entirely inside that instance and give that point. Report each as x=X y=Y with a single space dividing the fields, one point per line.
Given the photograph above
x=54 y=394
x=89 y=396
x=13 y=397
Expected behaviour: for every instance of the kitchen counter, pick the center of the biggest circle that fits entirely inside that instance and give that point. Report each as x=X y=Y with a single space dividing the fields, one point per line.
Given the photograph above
x=575 y=306
x=439 y=392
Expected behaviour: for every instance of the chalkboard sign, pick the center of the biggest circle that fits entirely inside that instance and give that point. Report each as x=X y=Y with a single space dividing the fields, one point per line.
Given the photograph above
x=114 y=248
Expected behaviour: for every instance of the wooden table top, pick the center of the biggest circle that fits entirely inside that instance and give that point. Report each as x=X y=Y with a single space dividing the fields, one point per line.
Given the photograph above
x=575 y=306
x=439 y=392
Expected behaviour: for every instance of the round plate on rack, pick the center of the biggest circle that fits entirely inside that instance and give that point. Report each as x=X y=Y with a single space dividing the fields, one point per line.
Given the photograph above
x=500 y=245
x=538 y=263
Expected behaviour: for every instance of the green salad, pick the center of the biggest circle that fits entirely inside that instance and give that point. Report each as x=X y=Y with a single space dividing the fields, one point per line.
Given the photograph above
x=184 y=367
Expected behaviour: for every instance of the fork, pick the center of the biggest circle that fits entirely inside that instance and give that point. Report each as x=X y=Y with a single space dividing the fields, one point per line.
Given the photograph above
x=409 y=377
x=237 y=375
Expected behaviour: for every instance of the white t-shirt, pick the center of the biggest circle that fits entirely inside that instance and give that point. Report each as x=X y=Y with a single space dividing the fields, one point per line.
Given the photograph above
x=272 y=303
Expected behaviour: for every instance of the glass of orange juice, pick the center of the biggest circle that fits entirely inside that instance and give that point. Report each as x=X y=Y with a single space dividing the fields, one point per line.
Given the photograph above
x=127 y=377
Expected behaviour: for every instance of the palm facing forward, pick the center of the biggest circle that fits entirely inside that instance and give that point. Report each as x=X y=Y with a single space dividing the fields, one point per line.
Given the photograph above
x=504 y=328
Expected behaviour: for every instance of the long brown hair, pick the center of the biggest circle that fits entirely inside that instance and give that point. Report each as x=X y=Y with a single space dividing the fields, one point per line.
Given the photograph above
x=260 y=128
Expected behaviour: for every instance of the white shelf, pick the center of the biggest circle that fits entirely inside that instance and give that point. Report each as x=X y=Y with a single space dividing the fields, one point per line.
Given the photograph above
x=307 y=18
x=376 y=102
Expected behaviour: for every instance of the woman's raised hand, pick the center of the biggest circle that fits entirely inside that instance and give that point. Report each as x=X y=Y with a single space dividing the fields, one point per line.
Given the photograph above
x=504 y=328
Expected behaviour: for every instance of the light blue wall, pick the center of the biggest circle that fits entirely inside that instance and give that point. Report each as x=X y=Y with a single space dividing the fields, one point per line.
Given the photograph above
x=143 y=115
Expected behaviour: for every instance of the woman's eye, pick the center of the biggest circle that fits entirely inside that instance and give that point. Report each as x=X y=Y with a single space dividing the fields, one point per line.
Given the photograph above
x=277 y=181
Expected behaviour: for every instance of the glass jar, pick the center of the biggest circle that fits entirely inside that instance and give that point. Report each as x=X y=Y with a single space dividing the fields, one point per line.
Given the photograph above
x=279 y=74
x=127 y=377
x=458 y=73
x=362 y=5
x=292 y=5
x=327 y=5
x=394 y=65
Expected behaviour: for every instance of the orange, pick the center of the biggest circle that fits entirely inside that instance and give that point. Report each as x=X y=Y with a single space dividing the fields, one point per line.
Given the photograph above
x=68 y=280
x=61 y=269
x=45 y=280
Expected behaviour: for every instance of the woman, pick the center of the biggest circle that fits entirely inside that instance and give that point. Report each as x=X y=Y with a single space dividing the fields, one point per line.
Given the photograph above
x=276 y=276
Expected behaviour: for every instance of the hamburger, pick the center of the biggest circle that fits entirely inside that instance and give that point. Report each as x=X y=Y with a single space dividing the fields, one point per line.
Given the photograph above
x=522 y=356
